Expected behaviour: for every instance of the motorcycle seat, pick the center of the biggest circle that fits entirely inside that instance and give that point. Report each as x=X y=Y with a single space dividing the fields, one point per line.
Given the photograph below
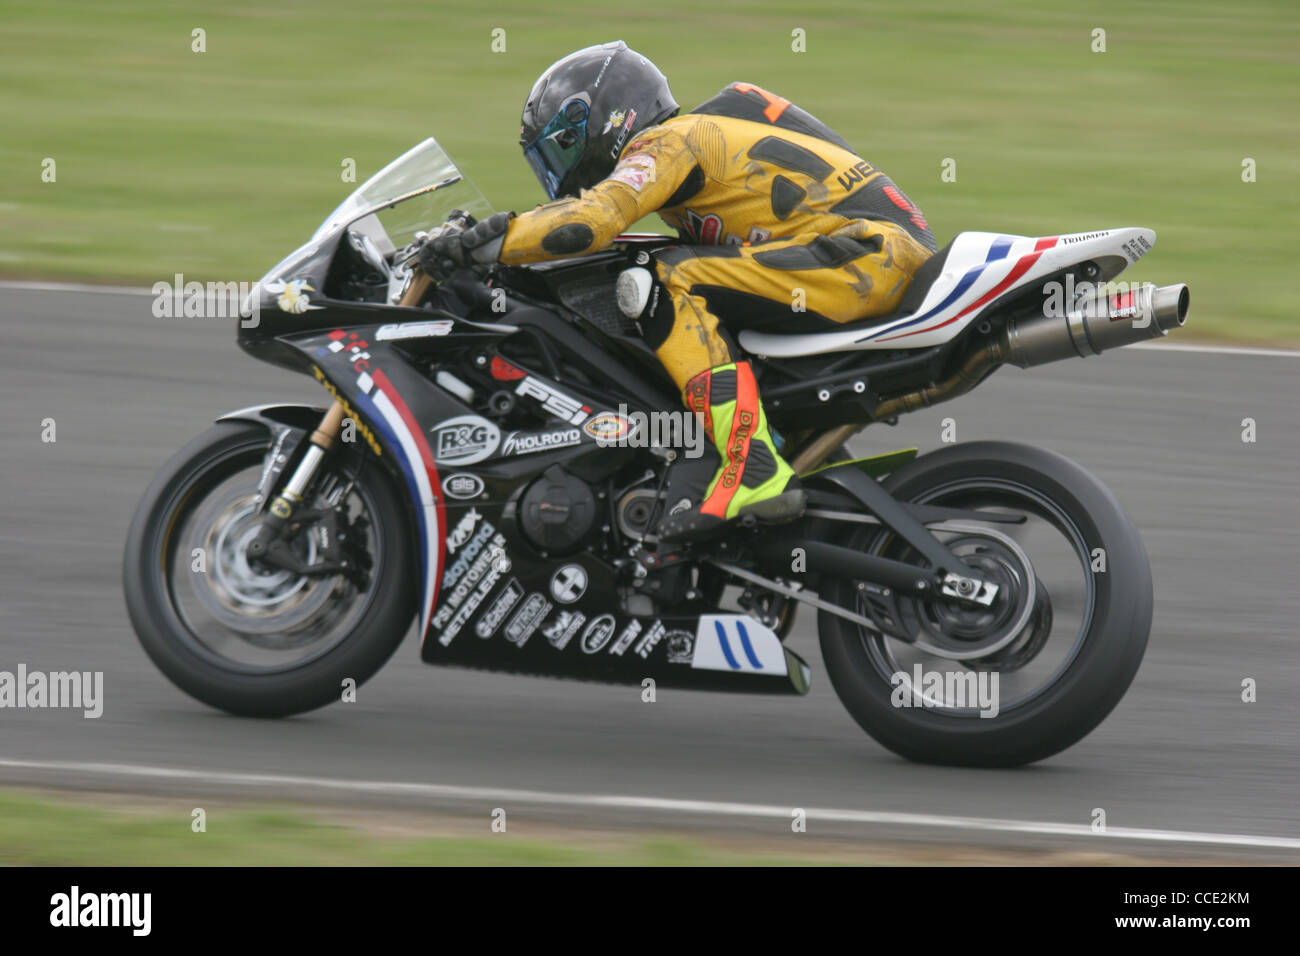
x=960 y=281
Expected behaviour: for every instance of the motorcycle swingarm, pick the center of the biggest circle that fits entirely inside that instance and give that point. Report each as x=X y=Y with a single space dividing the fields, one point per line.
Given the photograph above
x=948 y=574
x=838 y=506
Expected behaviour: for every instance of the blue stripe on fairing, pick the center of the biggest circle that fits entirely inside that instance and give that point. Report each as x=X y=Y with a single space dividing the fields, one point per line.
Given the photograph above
x=726 y=648
x=749 y=648
x=378 y=420
x=998 y=250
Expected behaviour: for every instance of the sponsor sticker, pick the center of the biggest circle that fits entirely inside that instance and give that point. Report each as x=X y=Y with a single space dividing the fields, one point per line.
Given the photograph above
x=681 y=647
x=608 y=427
x=462 y=485
x=705 y=229
x=521 y=627
x=560 y=631
x=526 y=443
x=1136 y=248
x=468 y=554
x=553 y=400
x=463 y=531
x=413 y=330
x=502 y=606
x=650 y=639
x=625 y=639
x=569 y=583
x=635 y=170
x=292 y=296
x=464 y=440
x=1083 y=237
x=487 y=572
x=1123 y=306
x=622 y=133
x=597 y=634
x=614 y=119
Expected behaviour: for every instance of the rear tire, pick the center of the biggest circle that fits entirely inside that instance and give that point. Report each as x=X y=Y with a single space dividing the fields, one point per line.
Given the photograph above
x=380 y=619
x=1090 y=682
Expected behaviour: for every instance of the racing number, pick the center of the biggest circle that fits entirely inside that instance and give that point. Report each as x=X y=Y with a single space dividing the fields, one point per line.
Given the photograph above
x=775 y=104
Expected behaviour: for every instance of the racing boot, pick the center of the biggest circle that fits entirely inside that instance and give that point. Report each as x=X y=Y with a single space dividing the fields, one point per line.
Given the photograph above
x=750 y=479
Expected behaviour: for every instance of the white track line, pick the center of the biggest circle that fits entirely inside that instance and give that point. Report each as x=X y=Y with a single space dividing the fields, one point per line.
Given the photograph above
x=135 y=290
x=74 y=287
x=498 y=795
x=1159 y=346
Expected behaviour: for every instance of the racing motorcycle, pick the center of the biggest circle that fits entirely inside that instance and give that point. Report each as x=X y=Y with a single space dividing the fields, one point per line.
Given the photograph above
x=485 y=464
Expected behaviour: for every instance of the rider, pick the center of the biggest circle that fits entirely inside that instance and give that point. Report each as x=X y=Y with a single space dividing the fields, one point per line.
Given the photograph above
x=783 y=226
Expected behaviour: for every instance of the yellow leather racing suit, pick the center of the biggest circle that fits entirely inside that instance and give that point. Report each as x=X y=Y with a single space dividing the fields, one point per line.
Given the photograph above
x=785 y=227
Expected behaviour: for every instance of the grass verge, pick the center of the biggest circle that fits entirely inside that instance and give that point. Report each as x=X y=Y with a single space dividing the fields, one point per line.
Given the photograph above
x=214 y=164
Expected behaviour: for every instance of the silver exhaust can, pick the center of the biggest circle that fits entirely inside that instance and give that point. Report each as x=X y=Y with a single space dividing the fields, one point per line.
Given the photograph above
x=1096 y=322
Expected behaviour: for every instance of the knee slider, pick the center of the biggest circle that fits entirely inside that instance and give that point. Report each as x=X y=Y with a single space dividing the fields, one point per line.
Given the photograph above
x=642 y=298
x=634 y=290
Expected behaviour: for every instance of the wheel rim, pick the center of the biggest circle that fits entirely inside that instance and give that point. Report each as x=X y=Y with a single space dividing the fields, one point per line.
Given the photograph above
x=250 y=619
x=1058 y=611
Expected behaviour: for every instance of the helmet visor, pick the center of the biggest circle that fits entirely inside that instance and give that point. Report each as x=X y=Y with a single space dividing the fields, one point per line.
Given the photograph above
x=560 y=145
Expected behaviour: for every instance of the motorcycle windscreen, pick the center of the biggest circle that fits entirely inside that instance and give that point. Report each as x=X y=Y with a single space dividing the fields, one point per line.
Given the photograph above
x=420 y=189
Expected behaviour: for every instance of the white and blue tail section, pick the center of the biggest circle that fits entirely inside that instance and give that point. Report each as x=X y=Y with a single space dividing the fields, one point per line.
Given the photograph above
x=979 y=268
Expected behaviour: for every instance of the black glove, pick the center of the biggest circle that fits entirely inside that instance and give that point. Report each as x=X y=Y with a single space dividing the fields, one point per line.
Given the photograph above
x=479 y=244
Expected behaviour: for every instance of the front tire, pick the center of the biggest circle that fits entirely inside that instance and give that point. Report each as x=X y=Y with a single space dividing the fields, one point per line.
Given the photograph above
x=1110 y=611
x=247 y=639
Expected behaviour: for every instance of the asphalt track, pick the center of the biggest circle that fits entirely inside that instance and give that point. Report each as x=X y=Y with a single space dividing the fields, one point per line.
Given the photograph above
x=1181 y=753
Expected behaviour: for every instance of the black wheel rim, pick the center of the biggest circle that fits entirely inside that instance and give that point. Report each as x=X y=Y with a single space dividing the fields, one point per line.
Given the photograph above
x=248 y=619
x=1059 y=622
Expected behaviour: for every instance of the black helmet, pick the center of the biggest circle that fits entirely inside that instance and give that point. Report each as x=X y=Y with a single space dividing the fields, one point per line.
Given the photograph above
x=585 y=109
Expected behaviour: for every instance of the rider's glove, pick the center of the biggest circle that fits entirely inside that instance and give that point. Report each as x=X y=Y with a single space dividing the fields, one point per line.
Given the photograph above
x=480 y=244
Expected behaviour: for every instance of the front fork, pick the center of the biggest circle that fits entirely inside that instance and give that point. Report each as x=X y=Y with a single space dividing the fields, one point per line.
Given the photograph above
x=271 y=545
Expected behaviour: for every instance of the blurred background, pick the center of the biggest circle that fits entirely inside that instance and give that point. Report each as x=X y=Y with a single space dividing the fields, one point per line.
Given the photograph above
x=215 y=164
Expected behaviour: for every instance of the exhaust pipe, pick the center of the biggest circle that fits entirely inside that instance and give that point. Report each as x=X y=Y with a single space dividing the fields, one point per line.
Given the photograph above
x=1095 y=323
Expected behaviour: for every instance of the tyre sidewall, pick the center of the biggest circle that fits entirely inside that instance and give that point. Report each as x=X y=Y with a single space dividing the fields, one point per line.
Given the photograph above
x=1097 y=677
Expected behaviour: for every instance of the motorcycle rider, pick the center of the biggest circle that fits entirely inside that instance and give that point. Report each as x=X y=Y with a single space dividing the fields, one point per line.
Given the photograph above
x=784 y=227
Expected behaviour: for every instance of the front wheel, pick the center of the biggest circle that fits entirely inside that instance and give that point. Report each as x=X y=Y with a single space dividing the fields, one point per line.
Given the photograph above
x=245 y=637
x=1016 y=681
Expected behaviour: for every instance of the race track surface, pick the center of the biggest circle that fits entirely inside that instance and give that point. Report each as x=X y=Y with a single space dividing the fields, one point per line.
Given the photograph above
x=1162 y=428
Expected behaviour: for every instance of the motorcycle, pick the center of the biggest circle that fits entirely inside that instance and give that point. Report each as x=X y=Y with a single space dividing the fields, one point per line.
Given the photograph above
x=487 y=467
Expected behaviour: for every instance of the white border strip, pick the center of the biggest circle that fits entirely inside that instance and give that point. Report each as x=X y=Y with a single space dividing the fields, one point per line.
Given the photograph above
x=659 y=804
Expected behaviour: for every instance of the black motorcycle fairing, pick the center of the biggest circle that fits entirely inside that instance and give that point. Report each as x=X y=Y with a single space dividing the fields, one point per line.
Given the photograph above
x=466 y=471
x=293 y=416
x=471 y=401
x=510 y=609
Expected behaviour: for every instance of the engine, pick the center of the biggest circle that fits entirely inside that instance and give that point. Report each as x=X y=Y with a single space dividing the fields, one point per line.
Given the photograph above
x=558 y=512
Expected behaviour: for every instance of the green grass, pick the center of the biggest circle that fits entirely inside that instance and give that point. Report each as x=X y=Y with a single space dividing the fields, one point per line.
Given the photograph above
x=216 y=164
x=47 y=832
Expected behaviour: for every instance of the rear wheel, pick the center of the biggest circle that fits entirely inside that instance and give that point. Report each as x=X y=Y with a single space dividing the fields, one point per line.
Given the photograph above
x=246 y=637
x=1032 y=673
